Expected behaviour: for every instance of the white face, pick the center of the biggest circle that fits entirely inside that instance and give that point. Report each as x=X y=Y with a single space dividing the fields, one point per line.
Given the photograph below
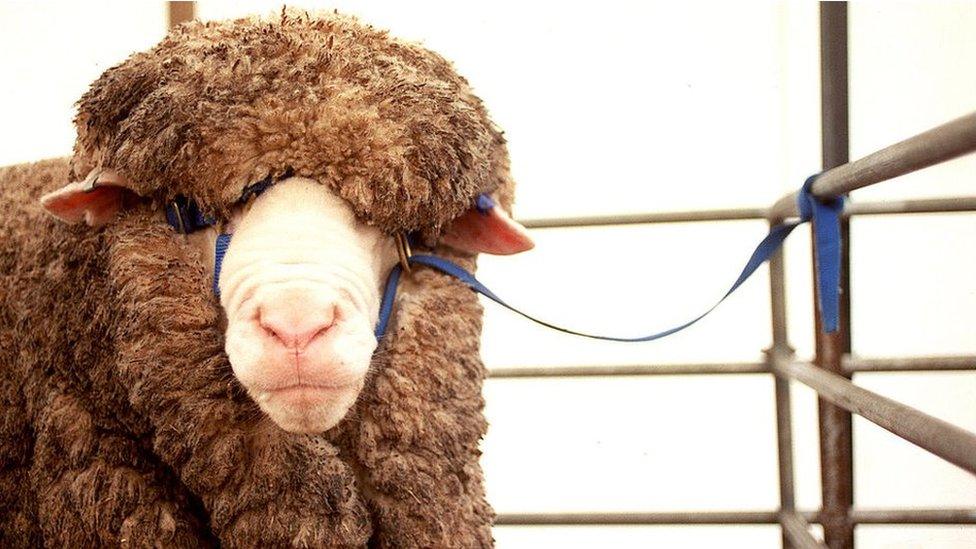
x=301 y=287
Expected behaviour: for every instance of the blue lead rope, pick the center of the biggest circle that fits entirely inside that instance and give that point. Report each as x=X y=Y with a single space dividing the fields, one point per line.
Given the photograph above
x=184 y=215
x=826 y=230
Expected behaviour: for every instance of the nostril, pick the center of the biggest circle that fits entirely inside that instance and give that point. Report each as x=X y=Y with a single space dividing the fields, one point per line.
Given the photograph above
x=320 y=332
x=296 y=329
x=272 y=333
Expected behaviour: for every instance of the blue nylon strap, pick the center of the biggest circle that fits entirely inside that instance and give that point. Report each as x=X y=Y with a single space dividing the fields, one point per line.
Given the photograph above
x=826 y=235
x=484 y=204
x=185 y=216
x=220 y=249
x=826 y=230
x=825 y=216
x=765 y=249
x=386 y=306
x=256 y=189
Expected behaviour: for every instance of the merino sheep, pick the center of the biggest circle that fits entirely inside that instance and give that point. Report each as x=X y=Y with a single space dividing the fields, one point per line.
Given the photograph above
x=123 y=421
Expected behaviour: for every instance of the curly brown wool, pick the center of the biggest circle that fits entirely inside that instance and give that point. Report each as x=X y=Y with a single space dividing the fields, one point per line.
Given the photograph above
x=121 y=419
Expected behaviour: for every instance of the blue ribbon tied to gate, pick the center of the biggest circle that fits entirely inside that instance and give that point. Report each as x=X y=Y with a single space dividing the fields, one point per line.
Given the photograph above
x=824 y=214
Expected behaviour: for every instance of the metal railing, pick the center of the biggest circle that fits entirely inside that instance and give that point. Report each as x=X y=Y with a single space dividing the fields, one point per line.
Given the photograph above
x=830 y=372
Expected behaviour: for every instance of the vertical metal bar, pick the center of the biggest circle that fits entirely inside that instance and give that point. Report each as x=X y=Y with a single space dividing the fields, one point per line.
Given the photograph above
x=836 y=436
x=180 y=12
x=784 y=423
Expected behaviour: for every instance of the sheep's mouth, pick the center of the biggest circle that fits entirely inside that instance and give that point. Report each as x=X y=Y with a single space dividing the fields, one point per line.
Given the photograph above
x=307 y=408
x=284 y=388
x=305 y=394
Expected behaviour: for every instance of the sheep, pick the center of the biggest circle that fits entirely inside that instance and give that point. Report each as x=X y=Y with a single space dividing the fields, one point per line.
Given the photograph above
x=132 y=407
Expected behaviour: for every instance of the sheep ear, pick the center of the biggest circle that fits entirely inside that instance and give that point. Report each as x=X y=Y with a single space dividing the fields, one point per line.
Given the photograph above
x=487 y=229
x=95 y=200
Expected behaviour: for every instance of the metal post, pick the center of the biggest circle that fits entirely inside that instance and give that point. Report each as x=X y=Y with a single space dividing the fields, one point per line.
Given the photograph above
x=180 y=12
x=836 y=437
x=781 y=350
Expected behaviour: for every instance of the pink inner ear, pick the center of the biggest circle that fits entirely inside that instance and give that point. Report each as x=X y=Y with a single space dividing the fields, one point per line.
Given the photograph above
x=77 y=202
x=493 y=232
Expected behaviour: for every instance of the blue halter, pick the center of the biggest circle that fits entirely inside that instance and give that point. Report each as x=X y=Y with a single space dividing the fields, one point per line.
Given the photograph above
x=826 y=226
x=184 y=215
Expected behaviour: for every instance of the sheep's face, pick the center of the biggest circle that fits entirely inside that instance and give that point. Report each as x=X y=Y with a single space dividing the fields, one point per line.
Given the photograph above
x=300 y=286
x=388 y=126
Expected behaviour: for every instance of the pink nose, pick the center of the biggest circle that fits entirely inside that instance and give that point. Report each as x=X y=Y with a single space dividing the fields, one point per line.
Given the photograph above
x=296 y=321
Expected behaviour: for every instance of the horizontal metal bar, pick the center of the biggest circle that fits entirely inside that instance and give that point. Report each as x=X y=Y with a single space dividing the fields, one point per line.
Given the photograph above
x=851 y=364
x=916 y=206
x=797 y=529
x=910 y=364
x=660 y=518
x=914 y=516
x=925 y=205
x=939 y=144
x=644 y=218
x=951 y=443
x=858 y=516
x=631 y=370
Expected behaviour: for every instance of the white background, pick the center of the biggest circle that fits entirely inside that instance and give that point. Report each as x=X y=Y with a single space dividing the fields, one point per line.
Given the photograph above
x=624 y=107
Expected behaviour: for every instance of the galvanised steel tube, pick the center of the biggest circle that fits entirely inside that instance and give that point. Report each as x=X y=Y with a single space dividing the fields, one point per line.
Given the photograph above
x=859 y=516
x=605 y=519
x=926 y=149
x=733 y=214
x=781 y=389
x=910 y=364
x=631 y=370
x=914 y=516
x=180 y=12
x=934 y=146
x=951 y=443
x=796 y=531
x=835 y=424
x=924 y=205
x=851 y=364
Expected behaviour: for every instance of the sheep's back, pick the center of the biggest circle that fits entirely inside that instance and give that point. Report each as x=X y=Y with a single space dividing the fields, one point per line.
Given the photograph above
x=26 y=234
x=21 y=214
x=24 y=229
x=56 y=308
x=54 y=297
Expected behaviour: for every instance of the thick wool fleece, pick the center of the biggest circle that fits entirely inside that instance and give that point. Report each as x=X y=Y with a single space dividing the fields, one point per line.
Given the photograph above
x=216 y=106
x=121 y=419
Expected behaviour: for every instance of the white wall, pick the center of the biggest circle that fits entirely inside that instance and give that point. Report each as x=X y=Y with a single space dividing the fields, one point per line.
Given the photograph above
x=633 y=107
x=49 y=53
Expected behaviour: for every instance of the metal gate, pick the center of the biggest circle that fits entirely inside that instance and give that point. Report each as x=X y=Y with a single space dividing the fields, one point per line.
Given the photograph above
x=833 y=366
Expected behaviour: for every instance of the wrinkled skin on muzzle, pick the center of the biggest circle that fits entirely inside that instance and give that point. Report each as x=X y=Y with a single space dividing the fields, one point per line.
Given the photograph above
x=301 y=286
